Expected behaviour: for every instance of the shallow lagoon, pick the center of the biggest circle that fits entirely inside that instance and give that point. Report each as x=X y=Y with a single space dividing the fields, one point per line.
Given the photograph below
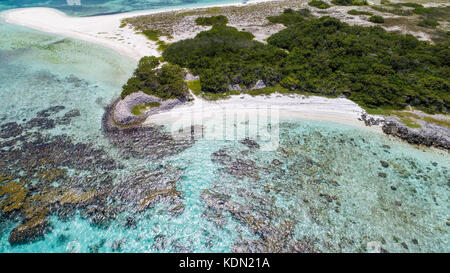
x=319 y=189
x=99 y=7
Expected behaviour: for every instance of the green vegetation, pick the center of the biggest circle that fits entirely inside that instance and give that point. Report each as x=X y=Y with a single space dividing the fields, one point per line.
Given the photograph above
x=397 y=10
x=407 y=4
x=151 y=34
x=165 y=82
x=407 y=118
x=376 y=19
x=162 y=45
x=430 y=16
x=141 y=108
x=224 y=56
x=373 y=67
x=410 y=119
x=269 y=90
x=195 y=87
x=431 y=11
x=212 y=20
x=428 y=23
x=319 y=4
x=290 y=16
x=369 y=65
x=359 y=12
x=440 y=122
x=349 y=2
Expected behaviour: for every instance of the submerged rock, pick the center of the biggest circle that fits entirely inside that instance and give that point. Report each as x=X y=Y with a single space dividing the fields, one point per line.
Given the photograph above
x=11 y=129
x=41 y=123
x=29 y=231
x=384 y=163
x=50 y=111
x=250 y=143
x=48 y=174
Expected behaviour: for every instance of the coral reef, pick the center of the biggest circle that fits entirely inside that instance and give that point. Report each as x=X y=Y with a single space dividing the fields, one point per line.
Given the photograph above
x=44 y=174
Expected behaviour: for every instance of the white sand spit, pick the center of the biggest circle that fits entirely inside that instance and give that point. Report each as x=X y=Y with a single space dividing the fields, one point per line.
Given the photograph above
x=104 y=30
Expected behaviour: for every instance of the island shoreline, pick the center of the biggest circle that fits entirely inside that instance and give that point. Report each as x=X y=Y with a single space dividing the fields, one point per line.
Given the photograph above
x=136 y=45
x=100 y=29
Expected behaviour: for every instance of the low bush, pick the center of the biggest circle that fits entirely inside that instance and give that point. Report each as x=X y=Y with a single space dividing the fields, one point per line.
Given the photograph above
x=349 y=2
x=212 y=20
x=319 y=4
x=359 y=12
x=376 y=19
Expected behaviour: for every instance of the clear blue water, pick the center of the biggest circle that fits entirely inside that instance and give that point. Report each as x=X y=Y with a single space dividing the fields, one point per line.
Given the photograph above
x=320 y=187
x=97 y=7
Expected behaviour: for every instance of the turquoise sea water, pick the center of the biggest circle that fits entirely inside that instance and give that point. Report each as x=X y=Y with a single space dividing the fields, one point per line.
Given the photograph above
x=97 y=7
x=321 y=188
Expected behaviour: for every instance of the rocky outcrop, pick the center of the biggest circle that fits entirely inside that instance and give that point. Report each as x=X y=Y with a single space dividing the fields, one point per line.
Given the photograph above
x=259 y=85
x=122 y=111
x=429 y=134
x=370 y=120
x=190 y=77
x=234 y=87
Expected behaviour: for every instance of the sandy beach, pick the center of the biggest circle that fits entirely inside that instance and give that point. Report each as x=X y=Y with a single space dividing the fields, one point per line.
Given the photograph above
x=103 y=30
x=279 y=107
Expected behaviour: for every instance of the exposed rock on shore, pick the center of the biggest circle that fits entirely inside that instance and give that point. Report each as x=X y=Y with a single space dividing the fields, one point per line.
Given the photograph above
x=429 y=134
x=371 y=120
x=122 y=110
x=141 y=141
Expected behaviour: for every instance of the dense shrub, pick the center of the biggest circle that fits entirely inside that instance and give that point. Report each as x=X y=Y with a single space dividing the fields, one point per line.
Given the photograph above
x=349 y=2
x=411 y=5
x=376 y=19
x=369 y=65
x=373 y=67
x=290 y=16
x=436 y=13
x=165 y=82
x=212 y=20
x=428 y=23
x=358 y=12
x=319 y=4
x=225 y=55
x=151 y=34
x=397 y=10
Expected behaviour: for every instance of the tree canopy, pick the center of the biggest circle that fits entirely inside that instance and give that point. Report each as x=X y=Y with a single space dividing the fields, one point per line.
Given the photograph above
x=369 y=65
x=165 y=82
